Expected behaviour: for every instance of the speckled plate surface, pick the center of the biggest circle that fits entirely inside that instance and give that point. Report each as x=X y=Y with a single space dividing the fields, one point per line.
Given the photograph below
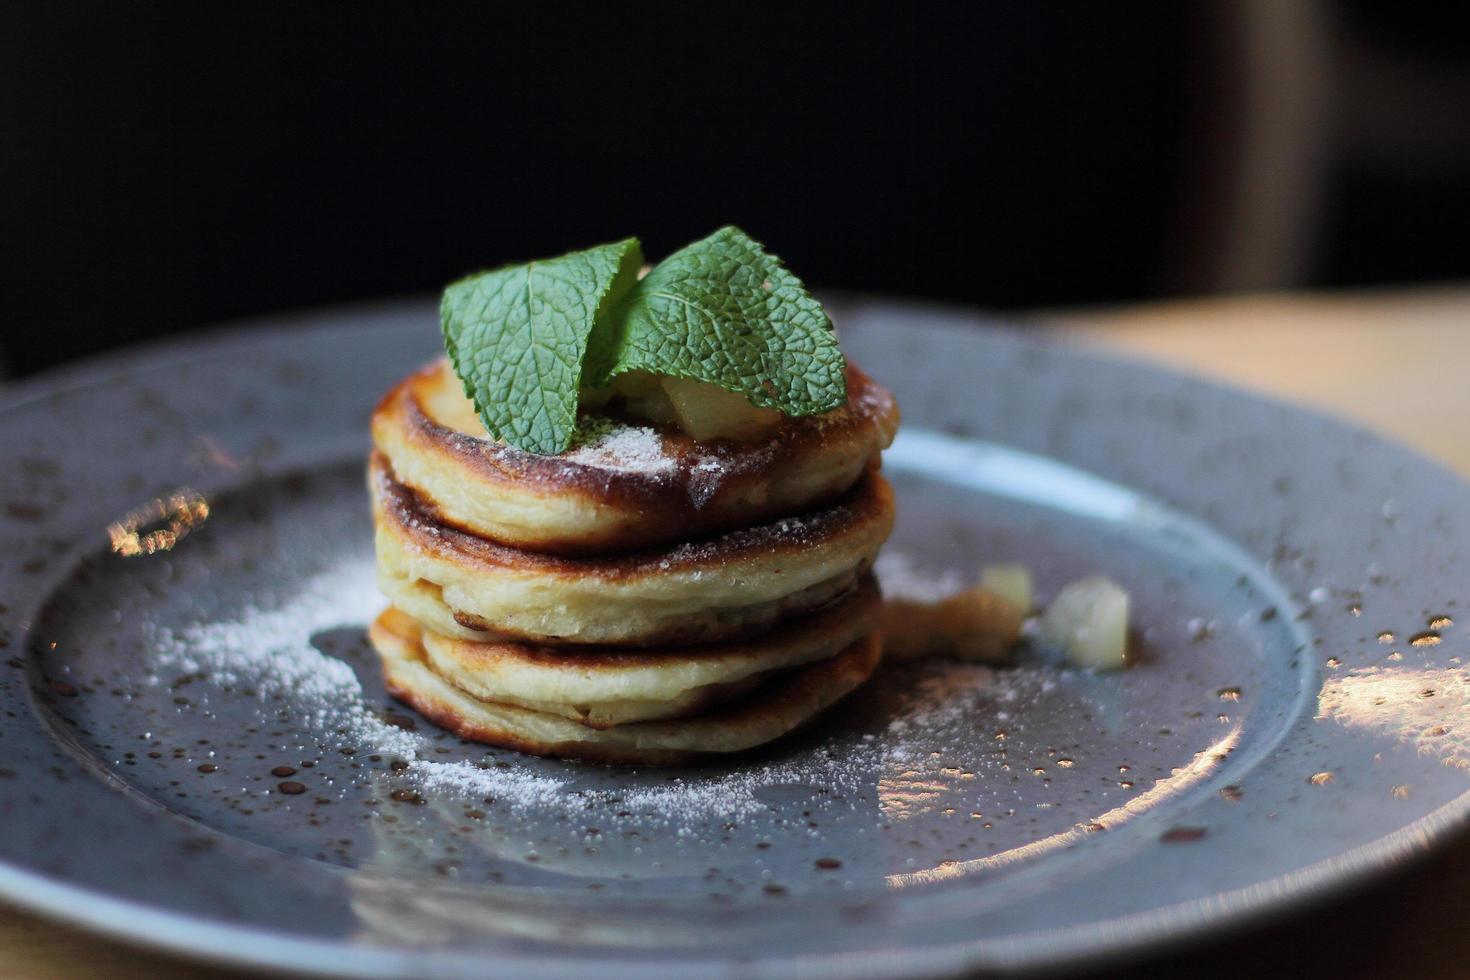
x=197 y=752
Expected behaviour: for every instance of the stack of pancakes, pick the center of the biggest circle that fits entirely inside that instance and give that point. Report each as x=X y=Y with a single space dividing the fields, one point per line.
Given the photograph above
x=640 y=598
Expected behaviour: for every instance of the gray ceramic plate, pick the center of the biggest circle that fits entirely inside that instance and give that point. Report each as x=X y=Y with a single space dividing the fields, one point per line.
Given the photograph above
x=197 y=752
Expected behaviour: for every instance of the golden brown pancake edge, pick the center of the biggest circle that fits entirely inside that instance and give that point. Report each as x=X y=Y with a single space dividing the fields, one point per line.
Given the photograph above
x=555 y=505
x=738 y=584
x=771 y=711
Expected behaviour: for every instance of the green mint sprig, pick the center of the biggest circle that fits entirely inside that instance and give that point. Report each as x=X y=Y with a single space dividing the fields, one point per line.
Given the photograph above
x=517 y=336
x=525 y=339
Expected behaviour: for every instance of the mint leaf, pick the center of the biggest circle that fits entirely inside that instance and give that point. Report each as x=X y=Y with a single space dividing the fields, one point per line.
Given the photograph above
x=726 y=312
x=517 y=337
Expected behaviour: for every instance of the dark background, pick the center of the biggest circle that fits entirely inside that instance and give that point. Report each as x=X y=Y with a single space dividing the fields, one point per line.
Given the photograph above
x=164 y=166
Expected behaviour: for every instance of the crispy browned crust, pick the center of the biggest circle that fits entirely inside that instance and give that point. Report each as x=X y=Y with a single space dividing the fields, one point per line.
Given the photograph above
x=865 y=505
x=444 y=715
x=747 y=623
x=648 y=509
x=861 y=607
x=847 y=671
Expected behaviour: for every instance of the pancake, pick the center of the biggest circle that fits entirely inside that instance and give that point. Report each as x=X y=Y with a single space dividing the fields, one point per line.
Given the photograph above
x=635 y=487
x=442 y=657
x=602 y=687
x=425 y=603
x=718 y=589
x=773 y=709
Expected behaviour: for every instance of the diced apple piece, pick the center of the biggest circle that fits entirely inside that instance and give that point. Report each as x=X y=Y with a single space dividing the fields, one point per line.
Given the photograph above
x=1011 y=582
x=635 y=384
x=654 y=407
x=706 y=411
x=1088 y=620
x=643 y=397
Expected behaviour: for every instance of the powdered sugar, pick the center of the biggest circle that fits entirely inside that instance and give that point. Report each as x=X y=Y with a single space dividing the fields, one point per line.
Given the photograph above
x=477 y=780
x=706 y=477
x=610 y=445
x=904 y=578
x=937 y=700
x=267 y=647
x=783 y=531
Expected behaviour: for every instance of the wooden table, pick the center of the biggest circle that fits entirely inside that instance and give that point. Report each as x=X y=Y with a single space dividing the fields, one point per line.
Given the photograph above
x=1397 y=361
x=1394 y=361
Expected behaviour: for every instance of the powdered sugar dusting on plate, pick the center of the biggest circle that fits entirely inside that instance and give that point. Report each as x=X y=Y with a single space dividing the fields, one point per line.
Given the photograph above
x=267 y=647
x=937 y=700
x=902 y=577
x=475 y=780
